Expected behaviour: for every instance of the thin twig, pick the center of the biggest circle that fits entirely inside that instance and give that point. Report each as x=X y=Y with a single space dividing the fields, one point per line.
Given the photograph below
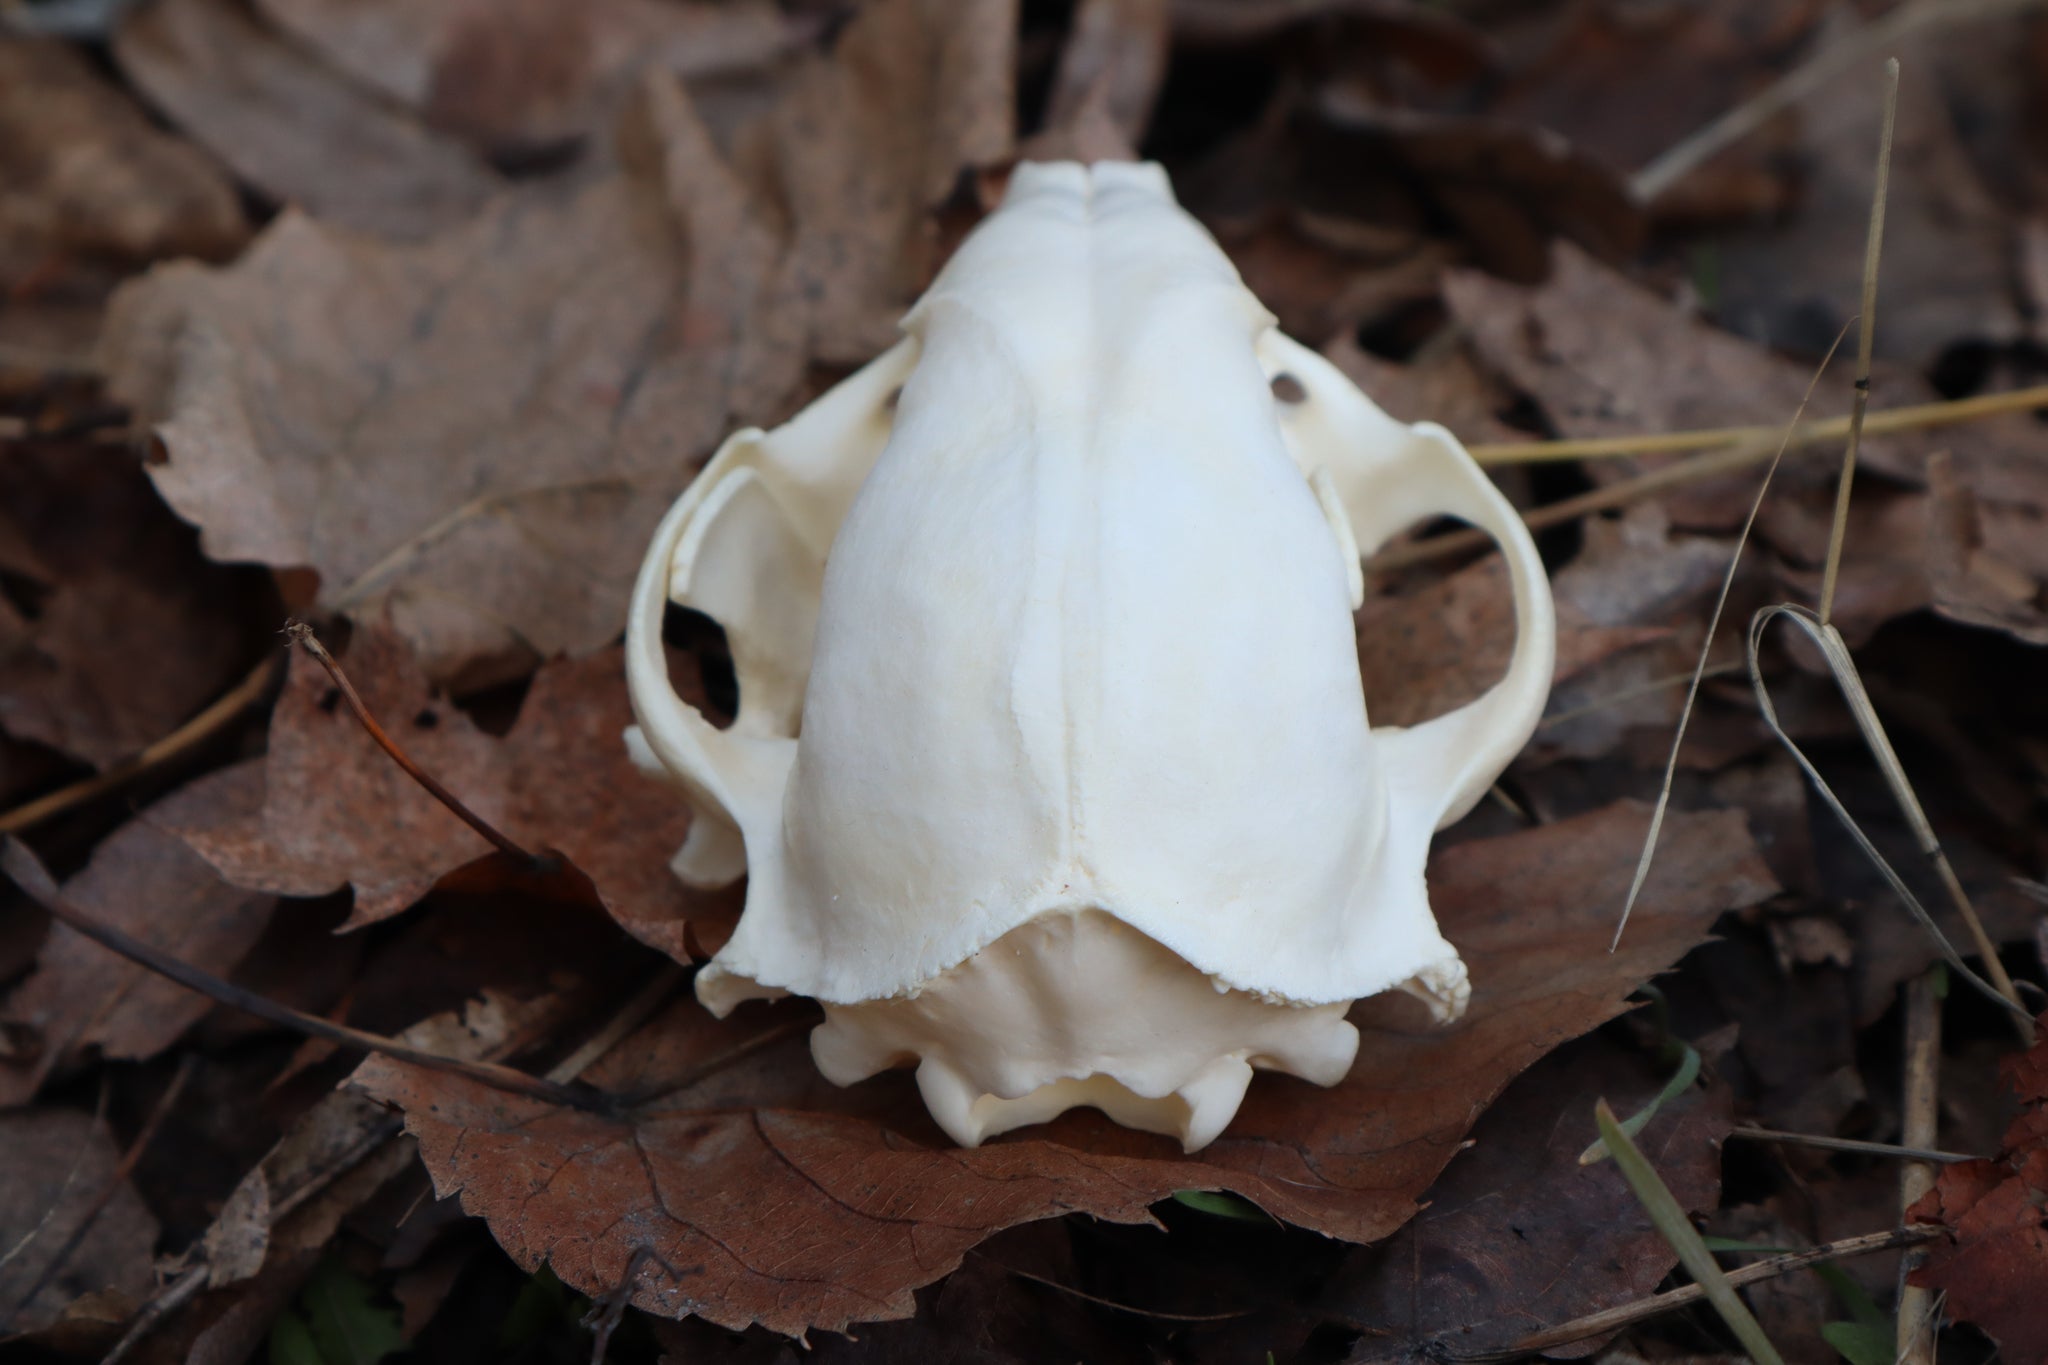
x=32 y=877
x=115 y=1182
x=180 y=1291
x=1921 y=1102
x=1628 y=1314
x=1692 y=691
x=1882 y=422
x=302 y=635
x=607 y=1313
x=181 y=741
x=1866 y=334
x=1835 y=1144
x=1674 y=164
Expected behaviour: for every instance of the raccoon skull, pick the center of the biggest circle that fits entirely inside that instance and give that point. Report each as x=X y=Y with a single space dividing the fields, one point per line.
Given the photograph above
x=1052 y=774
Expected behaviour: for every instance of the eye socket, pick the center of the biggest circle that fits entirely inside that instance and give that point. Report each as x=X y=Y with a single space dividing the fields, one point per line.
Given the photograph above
x=1287 y=389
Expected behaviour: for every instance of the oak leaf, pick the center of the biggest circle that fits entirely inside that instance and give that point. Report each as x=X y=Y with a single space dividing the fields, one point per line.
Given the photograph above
x=767 y=1195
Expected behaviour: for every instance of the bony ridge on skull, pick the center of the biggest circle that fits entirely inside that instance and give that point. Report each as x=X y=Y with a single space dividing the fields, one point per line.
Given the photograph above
x=1052 y=773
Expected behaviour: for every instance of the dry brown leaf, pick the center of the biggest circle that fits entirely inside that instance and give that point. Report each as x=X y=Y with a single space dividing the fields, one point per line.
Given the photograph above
x=1115 y=53
x=1508 y=190
x=523 y=77
x=1445 y=386
x=1988 y=559
x=868 y=139
x=335 y=811
x=1518 y=1235
x=125 y=631
x=1948 y=245
x=1993 y=1269
x=59 y=1162
x=334 y=1158
x=1607 y=357
x=145 y=881
x=1431 y=650
x=88 y=176
x=476 y=433
x=292 y=128
x=771 y=1196
x=1626 y=83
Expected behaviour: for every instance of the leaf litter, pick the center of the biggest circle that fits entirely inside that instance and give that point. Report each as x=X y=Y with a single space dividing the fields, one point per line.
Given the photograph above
x=517 y=269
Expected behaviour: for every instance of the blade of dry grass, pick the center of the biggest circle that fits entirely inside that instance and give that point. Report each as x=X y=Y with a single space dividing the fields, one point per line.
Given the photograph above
x=1873 y=248
x=1692 y=691
x=1882 y=422
x=1669 y=1219
x=1836 y=653
x=1677 y=161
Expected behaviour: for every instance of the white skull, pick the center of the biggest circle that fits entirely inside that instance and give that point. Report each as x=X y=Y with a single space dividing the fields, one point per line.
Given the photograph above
x=1051 y=772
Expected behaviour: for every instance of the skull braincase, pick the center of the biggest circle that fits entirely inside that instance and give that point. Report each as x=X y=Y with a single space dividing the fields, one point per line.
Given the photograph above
x=1044 y=619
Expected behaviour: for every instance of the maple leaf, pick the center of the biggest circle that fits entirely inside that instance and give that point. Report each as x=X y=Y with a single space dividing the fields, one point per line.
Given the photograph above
x=768 y=1195
x=1996 y=1261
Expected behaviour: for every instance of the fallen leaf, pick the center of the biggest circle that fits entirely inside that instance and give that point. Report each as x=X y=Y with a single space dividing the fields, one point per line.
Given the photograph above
x=1518 y=1235
x=1429 y=651
x=59 y=1163
x=1988 y=560
x=1445 y=386
x=1506 y=189
x=476 y=433
x=868 y=140
x=292 y=128
x=1626 y=85
x=89 y=176
x=521 y=78
x=124 y=631
x=1116 y=51
x=1606 y=357
x=768 y=1195
x=143 y=880
x=1948 y=245
x=1993 y=1267
x=334 y=811
x=269 y=1235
